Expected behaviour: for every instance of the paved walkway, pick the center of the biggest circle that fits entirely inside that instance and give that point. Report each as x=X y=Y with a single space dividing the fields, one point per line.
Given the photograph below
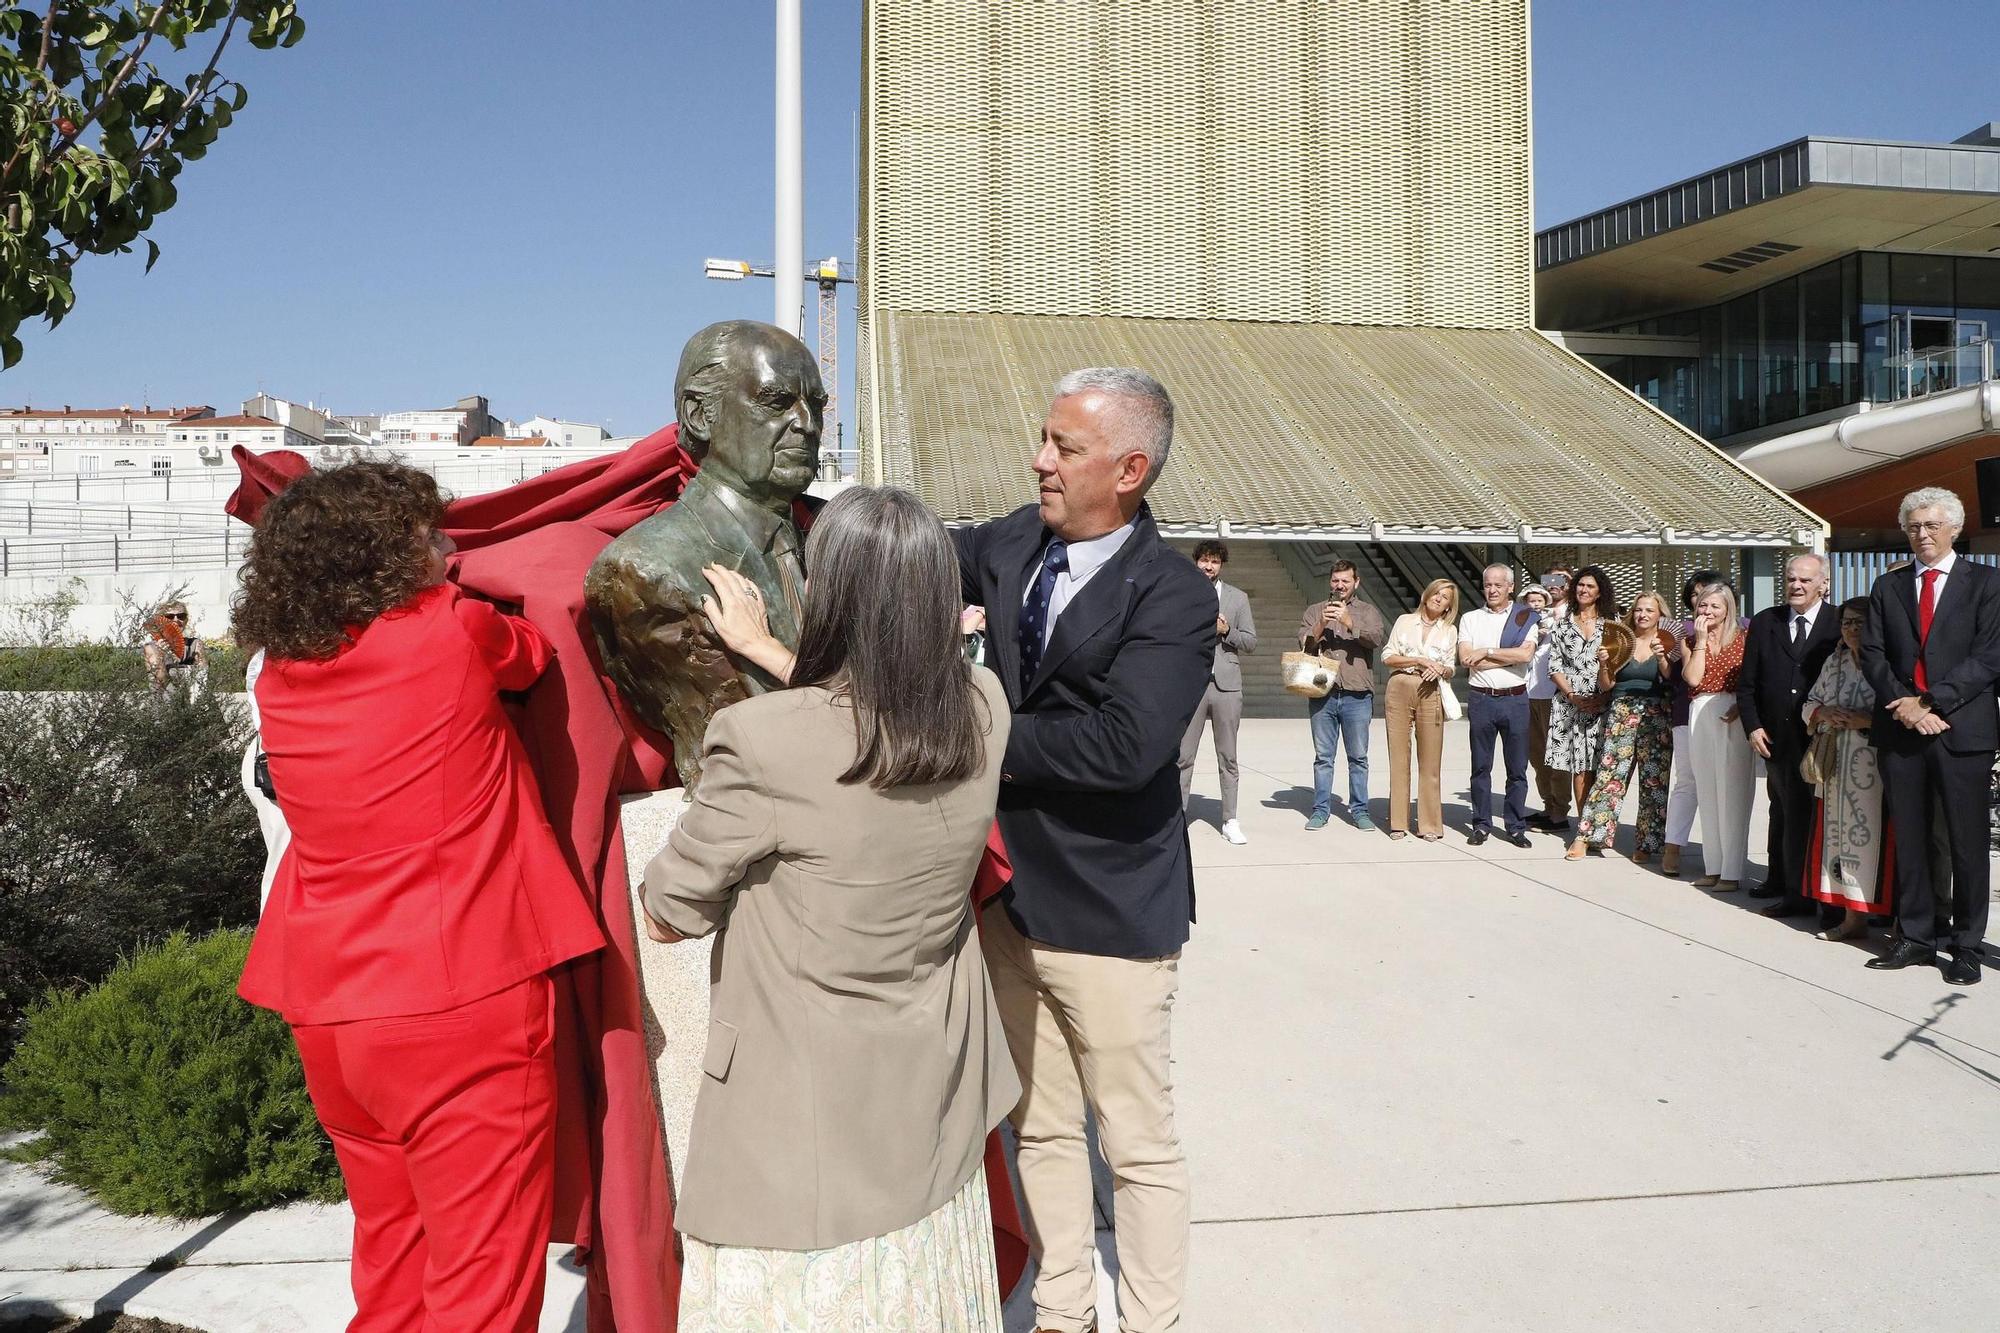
x=1426 y=1087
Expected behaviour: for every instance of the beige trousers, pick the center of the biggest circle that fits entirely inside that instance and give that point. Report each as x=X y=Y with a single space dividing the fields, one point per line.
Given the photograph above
x=1081 y=1026
x=1413 y=704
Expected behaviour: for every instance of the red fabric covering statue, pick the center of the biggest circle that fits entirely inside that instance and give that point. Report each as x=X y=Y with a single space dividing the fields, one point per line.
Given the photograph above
x=528 y=548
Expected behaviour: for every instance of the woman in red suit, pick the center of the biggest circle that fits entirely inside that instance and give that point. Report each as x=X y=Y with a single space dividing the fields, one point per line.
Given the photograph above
x=424 y=898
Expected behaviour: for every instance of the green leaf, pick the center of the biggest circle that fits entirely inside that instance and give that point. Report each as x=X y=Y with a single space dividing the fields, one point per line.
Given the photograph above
x=240 y=98
x=156 y=97
x=152 y=253
x=298 y=31
x=98 y=35
x=10 y=351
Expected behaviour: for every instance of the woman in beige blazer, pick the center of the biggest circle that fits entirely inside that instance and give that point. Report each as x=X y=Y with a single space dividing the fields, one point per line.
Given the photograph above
x=855 y=1060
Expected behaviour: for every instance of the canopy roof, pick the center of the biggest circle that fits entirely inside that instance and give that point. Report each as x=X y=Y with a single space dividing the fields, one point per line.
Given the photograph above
x=1322 y=432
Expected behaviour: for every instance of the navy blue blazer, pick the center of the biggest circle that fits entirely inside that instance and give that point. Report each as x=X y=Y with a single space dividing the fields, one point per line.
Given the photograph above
x=1961 y=657
x=1090 y=801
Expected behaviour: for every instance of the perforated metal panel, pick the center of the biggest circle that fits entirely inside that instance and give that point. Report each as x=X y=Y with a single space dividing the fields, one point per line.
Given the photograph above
x=1360 y=162
x=1310 y=218
x=1329 y=430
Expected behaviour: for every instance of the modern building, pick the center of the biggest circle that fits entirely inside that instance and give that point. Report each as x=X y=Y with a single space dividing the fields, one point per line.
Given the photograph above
x=454 y=426
x=304 y=418
x=1824 y=311
x=566 y=434
x=1313 y=224
x=26 y=428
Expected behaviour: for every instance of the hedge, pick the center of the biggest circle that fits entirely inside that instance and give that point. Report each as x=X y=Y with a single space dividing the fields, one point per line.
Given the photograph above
x=159 y=1091
x=122 y=819
x=102 y=666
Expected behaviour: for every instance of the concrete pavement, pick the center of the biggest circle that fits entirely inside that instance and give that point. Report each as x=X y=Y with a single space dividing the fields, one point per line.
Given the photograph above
x=1430 y=1087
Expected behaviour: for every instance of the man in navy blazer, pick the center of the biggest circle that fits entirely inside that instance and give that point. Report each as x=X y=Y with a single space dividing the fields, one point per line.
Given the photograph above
x=1785 y=648
x=1103 y=636
x=1931 y=653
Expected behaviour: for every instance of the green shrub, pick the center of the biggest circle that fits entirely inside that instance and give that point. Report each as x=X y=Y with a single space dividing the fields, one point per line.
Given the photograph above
x=122 y=819
x=159 y=1091
x=102 y=666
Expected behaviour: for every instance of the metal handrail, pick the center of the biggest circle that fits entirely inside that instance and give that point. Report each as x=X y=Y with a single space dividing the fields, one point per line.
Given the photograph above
x=1936 y=370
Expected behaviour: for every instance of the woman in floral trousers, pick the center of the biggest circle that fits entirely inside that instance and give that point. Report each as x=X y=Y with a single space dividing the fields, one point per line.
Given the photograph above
x=1638 y=737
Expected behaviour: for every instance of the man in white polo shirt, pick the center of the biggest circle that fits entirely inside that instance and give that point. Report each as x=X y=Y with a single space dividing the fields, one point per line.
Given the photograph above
x=1495 y=644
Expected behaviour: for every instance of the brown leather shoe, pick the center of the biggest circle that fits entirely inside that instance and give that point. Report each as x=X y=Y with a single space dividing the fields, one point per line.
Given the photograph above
x=1670 y=859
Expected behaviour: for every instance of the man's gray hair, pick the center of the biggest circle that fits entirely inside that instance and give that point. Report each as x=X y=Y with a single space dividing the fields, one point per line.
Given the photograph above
x=1932 y=497
x=1814 y=556
x=1503 y=567
x=1144 y=416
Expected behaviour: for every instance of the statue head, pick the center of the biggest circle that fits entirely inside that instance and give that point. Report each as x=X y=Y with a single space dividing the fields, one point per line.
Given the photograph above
x=750 y=405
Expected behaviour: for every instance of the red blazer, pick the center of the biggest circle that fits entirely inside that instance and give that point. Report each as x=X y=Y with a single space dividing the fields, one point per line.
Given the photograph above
x=422 y=873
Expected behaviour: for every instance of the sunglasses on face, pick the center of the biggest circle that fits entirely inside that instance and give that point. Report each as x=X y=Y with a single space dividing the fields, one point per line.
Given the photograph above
x=175 y=615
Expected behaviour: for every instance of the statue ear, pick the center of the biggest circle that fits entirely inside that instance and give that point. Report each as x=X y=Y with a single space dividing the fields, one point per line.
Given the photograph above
x=694 y=415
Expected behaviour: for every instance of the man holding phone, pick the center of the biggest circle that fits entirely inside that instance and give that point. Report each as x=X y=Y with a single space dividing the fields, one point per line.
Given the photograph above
x=1345 y=632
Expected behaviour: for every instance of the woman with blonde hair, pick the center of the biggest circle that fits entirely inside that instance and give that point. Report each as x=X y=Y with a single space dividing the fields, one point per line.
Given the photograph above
x=1638 y=735
x=1421 y=653
x=1719 y=750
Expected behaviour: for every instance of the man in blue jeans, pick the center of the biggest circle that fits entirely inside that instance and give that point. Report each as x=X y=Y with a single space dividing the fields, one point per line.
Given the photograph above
x=1345 y=633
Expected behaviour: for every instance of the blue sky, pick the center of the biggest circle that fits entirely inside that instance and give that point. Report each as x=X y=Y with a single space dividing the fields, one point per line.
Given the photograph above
x=514 y=197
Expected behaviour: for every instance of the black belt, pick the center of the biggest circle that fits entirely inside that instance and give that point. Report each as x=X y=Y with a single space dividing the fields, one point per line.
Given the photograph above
x=1507 y=693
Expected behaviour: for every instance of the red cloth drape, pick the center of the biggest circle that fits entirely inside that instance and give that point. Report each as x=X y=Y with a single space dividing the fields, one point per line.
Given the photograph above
x=529 y=546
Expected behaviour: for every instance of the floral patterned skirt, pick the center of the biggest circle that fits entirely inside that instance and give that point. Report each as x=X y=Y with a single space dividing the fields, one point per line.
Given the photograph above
x=934 y=1276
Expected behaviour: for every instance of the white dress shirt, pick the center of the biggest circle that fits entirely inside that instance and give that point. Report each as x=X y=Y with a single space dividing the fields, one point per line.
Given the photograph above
x=1085 y=559
x=1811 y=616
x=1943 y=567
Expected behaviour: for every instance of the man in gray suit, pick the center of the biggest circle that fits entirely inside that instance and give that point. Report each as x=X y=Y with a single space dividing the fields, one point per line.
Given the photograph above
x=1222 y=703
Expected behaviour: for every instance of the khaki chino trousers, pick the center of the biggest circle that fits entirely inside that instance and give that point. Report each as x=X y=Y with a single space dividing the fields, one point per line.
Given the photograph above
x=1413 y=705
x=1090 y=1028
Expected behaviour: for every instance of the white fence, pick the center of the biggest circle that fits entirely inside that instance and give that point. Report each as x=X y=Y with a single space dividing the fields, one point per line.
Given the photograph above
x=1855 y=572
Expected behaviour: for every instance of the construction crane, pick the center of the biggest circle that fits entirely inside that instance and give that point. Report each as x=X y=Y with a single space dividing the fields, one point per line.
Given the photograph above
x=828 y=274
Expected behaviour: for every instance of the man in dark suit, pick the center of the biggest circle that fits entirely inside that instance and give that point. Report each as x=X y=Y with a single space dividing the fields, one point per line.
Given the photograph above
x=1931 y=654
x=1104 y=637
x=1782 y=657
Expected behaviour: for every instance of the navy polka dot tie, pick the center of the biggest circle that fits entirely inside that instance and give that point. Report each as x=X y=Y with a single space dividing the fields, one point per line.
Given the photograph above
x=1035 y=611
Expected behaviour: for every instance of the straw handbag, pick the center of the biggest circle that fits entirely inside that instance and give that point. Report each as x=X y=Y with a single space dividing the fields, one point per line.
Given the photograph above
x=1306 y=675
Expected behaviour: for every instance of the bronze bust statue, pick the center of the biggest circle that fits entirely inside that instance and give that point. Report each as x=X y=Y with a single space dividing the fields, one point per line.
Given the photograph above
x=749 y=401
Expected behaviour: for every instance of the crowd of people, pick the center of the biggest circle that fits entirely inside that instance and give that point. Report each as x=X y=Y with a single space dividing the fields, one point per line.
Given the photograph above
x=1874 y=722
x=870 y=1020
x=872 y=1016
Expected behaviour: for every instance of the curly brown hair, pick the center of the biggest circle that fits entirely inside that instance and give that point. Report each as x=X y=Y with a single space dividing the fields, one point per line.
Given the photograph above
x=331 y=552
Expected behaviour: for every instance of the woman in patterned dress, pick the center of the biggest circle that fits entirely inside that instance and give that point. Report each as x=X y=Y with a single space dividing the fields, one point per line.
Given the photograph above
x=1576 y=651
x=1638 y=736
x=1720 y=752
x=1849 y=864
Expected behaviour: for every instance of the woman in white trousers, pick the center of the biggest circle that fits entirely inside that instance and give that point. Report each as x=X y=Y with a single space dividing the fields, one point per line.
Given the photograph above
x=1720 y=753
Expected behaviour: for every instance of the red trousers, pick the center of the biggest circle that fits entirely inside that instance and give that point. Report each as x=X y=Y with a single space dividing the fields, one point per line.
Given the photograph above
x=445 y=1128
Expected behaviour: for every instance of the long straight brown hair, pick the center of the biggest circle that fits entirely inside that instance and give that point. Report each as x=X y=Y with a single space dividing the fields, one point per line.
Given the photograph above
x=881 y=628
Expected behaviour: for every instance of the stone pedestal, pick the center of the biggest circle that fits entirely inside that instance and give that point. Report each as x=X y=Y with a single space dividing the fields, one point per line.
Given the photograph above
x=673 y=980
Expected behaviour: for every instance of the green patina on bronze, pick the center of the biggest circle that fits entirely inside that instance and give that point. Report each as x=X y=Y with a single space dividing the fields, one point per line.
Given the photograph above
x=749 y=400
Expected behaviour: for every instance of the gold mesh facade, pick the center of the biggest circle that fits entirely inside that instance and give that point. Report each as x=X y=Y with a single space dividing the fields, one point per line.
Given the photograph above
x=1346 y=161
x=1311 y=219
x=1327 y=431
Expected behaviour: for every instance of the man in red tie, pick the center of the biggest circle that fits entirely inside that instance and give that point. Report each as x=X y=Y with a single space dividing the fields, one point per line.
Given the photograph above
x=1931 y=652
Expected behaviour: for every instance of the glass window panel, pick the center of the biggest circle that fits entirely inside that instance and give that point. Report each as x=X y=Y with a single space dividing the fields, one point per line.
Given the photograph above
x=1921 y=283
x=1779 y=350
x=1710 y=388
x=1874 y=325
x=1827 y=356
x=1741 y=399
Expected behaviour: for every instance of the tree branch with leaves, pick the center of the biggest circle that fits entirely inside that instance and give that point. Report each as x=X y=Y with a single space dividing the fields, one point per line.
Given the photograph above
x=92 y=134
